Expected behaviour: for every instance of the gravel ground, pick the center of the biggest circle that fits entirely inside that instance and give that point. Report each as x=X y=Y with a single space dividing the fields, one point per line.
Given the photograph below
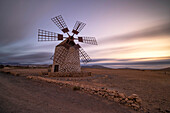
x=21 y=95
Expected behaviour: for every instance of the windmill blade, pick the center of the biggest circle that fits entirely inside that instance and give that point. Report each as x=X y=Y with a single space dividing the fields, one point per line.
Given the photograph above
x=59 y=21
x=60 y=55
x=52 y=57
x=84 y=56
x=88 y=40
x=44 y=35
x=78 y=27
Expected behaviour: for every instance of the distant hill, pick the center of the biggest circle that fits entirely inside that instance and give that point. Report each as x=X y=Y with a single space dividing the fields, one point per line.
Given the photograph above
x=24 y=65
x=166 y=69
x=13 y=63
x=95 y=66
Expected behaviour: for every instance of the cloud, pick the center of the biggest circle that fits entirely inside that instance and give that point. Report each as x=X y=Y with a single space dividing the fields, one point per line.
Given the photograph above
x=130 y=59
x=39 y=57
x=164 y=60
x=146 y=33
x=19 y=19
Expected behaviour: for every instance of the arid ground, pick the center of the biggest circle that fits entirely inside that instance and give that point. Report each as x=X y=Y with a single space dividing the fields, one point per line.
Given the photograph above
x=19 y=94
x=153 y=86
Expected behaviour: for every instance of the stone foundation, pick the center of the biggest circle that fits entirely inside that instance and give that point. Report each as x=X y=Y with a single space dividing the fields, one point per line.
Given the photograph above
x=69 y=74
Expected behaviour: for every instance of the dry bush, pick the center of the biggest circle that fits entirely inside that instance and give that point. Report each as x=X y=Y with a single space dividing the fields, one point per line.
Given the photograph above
x=75 y=88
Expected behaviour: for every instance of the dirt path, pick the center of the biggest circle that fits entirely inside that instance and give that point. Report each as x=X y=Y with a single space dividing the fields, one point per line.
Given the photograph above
x=20 y=95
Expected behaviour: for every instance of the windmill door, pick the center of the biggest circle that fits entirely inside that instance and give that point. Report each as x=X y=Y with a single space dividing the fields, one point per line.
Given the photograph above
x=56 y=68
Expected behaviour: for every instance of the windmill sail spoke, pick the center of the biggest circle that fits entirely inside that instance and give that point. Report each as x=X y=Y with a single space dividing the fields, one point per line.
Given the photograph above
x=84 y=56
x=88 y=40
x=52 y=57
x=44 y=35
x=78 y=27
x=59 y=21
x=60 y=55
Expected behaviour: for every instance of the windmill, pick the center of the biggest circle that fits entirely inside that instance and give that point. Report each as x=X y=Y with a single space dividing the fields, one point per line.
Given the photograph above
x=67 y=54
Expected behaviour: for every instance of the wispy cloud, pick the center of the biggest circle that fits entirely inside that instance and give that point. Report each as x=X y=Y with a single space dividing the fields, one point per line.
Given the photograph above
x=143 y=34
x=38 y=57
x=137 y=61
x=130 y=59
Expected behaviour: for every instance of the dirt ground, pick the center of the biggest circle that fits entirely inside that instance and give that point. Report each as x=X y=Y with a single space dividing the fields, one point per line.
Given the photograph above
x=152 y=86
x=21 y=95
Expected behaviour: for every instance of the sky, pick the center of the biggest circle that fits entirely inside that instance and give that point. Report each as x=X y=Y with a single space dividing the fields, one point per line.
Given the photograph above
x=130 y=33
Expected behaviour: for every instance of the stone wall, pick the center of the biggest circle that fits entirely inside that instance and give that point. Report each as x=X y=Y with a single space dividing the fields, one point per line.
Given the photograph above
x=67 y=59
x=133 y=101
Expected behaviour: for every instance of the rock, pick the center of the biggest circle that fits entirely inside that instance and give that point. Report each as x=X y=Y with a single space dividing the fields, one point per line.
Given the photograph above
x=129 y=101
x=116 y=99
x=60 y=84
x=121 y=95
x=111 y=94
x=115 y=91
x=95 y=91
x=139 y=100
x=102 y=88
x=135 y=106
x=92 y=92
x=133 y=96
x=122 y=101
x=100 y=94
x=110 y=98
x=116 y=94
x=103 y=94
x=106 y=95
x=126 y=99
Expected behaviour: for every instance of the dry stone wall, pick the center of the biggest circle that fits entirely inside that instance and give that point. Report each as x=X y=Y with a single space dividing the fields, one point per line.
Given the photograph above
x=133 y=101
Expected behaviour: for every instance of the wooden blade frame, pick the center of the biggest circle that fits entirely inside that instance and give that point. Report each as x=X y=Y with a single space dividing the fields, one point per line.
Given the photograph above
x=78 y=27
x=60 y=56
x=52 y=57
x=44 y=35
x=59 y=21
x=88 y=40
x=84 y=56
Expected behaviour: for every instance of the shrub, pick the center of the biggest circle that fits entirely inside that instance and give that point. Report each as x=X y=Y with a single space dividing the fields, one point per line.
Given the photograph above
x=8 y=66
x=8 y=72
x=1 y=66
x=76 y=88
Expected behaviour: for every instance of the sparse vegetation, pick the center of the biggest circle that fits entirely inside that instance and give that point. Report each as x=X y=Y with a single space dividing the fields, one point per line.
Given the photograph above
x=1 y=66
x=7 y=66
x=7 y=72
x=75 y=88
